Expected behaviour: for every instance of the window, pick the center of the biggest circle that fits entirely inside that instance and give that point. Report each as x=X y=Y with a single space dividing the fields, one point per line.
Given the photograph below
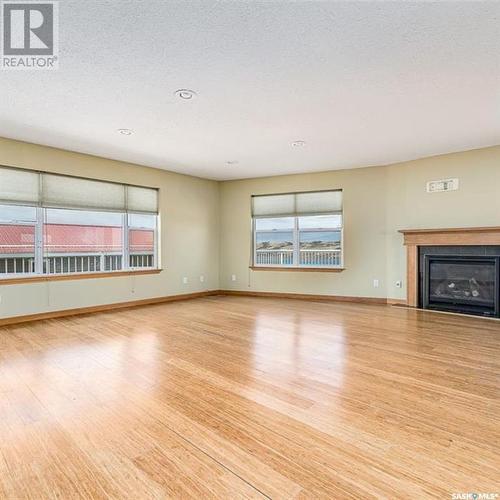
x=52 y=225
x=274 y=241
x=320 y=240
x=298 y=230
x=141 y=238
x=79 y=241
x=17 y=239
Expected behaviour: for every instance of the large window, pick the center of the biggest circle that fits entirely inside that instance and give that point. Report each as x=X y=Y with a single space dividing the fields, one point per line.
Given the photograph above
x=298 y=230
x=52 y=225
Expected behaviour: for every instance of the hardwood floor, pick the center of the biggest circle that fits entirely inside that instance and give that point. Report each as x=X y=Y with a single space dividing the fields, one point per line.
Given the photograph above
x=236 y=397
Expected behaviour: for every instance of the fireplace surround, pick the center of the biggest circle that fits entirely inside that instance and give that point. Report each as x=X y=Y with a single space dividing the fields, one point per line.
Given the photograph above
x=454 y=270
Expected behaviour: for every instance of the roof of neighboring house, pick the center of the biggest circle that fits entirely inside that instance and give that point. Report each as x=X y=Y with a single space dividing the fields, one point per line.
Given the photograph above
x=66 y=238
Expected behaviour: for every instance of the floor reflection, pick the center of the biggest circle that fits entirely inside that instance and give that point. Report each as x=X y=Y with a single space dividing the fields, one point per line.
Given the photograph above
x=306 y=349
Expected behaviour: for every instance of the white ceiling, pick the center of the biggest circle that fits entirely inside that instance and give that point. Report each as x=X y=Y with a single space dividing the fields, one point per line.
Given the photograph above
x=362 y=83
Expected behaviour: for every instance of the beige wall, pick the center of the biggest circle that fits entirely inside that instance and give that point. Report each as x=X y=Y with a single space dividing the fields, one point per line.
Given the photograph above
x=189 y=235
x=205 y=226
x=377 y=202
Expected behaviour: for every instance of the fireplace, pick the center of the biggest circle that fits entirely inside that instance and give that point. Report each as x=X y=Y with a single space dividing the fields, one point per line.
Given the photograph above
x=460 y=283
x=453 y=269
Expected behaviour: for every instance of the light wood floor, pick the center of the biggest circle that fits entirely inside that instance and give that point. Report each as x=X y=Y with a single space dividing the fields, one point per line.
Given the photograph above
x=232 y=397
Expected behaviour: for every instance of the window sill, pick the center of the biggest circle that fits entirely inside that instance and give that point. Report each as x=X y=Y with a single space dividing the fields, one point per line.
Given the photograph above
x=300 y=269
x=82 y=276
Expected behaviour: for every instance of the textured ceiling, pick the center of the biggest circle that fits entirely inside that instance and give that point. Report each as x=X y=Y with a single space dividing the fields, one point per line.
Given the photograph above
x=361 y=83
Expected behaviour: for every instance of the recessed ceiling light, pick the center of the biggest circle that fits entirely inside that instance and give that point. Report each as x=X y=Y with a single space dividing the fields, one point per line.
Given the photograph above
x=185 y=94
x=125 y=131
x=232 y=162
x=298 y=144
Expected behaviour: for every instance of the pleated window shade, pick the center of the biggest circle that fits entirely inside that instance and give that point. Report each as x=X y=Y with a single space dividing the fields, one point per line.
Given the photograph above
x=58 y=191
x=141 y=199
x=297 y=204
x=274 y=205
x=72 y=192
x=19 y=187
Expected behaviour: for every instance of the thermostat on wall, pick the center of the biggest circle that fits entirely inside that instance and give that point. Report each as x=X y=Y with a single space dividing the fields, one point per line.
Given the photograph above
x=442 y=185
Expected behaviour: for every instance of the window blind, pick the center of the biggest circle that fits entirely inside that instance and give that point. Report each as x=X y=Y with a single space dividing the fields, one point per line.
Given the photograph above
x=19 y=187
x=72 y=192
x=297 y=204
x=141 y=199
x=28 y=187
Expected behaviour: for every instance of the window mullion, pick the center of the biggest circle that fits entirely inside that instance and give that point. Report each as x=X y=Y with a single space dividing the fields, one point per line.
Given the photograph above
x=254 y=242
x=155 y=244
x=296 y=251
x=342 y=245
x=40 y=212
x=125 y=243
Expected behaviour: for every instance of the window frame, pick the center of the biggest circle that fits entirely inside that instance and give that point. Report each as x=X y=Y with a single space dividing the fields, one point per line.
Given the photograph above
x=39 y=251
x=17 y=223
x=296 y=245
x=254 y=240
x=128 y=227
x=339 y=229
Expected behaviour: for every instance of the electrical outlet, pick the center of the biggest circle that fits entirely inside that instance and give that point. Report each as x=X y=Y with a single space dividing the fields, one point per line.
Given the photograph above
x=202 y=279
x=375 y=283
x=185 y=280
x=399 y=284
x=233 y=277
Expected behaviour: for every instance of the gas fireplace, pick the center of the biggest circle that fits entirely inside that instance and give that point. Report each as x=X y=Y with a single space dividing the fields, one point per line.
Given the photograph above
x=460 y=279
x=454 y=269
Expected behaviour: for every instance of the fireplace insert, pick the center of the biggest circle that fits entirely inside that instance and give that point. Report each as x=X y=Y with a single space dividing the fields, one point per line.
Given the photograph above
x=461 y=283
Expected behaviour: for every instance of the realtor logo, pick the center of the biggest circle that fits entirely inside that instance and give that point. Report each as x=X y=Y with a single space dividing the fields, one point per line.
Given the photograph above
x=29 y=35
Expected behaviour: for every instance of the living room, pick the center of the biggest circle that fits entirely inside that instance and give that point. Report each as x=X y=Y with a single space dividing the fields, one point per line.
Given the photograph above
x=249 y=249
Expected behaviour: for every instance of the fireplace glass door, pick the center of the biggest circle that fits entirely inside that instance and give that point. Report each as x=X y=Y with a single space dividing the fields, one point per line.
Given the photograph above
x=462 y=284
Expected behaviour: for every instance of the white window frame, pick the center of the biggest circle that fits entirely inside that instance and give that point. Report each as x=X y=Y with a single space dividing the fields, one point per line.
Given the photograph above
x=296 y=242
x=324 y=230
x=128 y=227
x=34 y=224
x=39 y=254
x=254 y=237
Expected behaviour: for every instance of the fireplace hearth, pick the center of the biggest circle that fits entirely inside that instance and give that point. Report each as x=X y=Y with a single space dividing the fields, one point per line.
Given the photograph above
x=460 y=279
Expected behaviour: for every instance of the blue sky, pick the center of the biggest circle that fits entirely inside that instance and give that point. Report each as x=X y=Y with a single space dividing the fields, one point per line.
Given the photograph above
x=314 y=222
x=11 y=213
x=282 y=236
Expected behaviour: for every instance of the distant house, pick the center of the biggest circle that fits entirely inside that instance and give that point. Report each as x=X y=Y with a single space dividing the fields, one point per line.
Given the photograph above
x=73 y=239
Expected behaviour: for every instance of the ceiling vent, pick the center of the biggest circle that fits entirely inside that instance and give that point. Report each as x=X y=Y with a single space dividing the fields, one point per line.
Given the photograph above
x=442 y=185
